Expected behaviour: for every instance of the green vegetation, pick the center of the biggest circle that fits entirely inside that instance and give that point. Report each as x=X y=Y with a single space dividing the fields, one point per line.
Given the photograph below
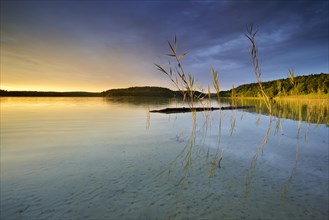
x=310 y=86
x=142 y=92
x=309 y=111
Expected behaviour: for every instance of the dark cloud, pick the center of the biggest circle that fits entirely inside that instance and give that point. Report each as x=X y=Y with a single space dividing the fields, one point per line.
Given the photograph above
x=292 y=33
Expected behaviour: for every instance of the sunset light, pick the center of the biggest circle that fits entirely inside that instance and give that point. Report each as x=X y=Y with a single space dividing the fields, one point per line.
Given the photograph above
x=164 y=109
x=95 y=46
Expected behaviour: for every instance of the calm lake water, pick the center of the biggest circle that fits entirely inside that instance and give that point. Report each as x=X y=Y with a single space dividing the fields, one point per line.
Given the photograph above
x=95 y=158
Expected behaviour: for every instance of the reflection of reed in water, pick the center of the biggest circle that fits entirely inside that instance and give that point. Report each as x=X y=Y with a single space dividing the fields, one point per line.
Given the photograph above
x=258 y=72
x=285 y=188
x=316 y=112
x=251 y=171
x=184 y=82
x=213 y=163
x=232 y=122
x=278 y=109
x=306 y=111
x=148 y=119
x=281 y=109
x=313 y=111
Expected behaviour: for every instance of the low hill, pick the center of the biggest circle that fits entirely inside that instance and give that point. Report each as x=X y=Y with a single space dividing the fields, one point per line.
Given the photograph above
x=141 y=91
x=300 y=85
x=146 y=91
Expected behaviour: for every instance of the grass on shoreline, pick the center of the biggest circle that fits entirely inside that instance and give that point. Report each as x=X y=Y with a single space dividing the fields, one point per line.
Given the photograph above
x=308 y=97
x=304 y=97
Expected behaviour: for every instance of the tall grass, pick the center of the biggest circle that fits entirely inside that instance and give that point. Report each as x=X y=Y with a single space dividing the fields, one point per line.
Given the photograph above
x=185 y=83
x=181 y=81
x=250 y=34
x=214 y=75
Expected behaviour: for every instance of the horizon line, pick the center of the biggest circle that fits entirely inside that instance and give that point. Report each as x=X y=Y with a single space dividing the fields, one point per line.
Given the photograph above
x=72 y=91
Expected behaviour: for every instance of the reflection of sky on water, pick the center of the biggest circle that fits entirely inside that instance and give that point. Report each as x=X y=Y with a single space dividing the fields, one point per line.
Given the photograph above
x=281 y=148
x=69 y=152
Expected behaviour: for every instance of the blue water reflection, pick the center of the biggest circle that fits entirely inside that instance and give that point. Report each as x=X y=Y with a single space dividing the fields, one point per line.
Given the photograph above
x=99 y=158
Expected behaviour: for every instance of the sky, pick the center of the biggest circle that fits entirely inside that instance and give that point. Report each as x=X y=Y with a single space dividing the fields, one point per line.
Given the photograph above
x=99 y=45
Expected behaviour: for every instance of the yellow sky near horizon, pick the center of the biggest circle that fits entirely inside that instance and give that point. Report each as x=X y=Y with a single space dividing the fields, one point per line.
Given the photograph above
x=59 y=66
x=100 y=45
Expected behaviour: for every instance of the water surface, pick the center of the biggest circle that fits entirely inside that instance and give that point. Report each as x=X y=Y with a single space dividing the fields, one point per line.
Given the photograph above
x=96 y=158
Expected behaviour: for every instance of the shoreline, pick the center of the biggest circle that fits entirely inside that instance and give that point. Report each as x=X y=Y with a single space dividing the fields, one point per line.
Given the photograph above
x=286 y=98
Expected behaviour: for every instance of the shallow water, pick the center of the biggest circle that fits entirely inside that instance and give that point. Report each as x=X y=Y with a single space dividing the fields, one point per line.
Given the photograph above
x=94 y=158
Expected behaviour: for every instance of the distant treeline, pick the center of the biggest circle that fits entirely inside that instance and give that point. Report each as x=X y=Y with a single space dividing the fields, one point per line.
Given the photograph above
x=146 y=91
x=132 y=91
x=299 y=85
x=47 y=94
x=141 y=91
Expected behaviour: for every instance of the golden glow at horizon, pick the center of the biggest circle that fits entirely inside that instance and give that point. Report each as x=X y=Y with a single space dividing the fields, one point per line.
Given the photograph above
x=61 y=66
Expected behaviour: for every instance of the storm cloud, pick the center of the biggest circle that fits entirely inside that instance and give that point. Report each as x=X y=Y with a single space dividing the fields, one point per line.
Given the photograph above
x=98 y=45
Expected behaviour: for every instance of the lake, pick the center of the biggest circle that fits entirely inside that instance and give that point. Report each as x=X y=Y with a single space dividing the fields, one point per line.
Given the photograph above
x=98 y=158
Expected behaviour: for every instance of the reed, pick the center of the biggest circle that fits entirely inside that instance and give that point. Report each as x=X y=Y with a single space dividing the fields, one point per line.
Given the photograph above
x=214 y=75
x=148 y=119
x=281 y=114
x=176 y=73
x=250 y=34
x=186 y=84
